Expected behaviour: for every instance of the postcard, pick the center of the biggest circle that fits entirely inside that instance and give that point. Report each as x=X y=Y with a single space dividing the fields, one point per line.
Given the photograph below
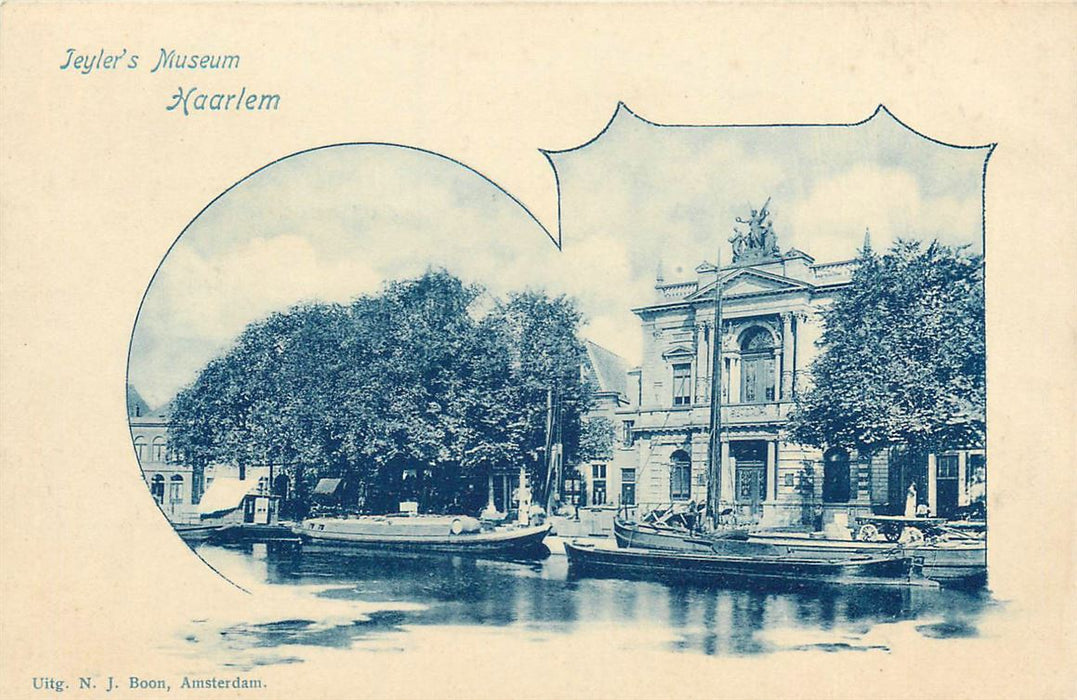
x=537 y=350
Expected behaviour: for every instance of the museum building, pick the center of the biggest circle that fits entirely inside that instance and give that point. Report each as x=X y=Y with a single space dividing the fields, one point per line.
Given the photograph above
x=769 y=327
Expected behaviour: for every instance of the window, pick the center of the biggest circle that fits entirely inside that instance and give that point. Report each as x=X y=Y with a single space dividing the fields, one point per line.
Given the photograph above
x=976 y=469
x=757 y=383
x=175 y=489
x=946 y=466
x=836 y=476
x=157 y=488
x=572 y=487
x=627 y=438
x=680 y=476
x=628 y=487
x=140 y=448
x=598 y=484
x=976 y=477
x=682 y=384
x=157 y=451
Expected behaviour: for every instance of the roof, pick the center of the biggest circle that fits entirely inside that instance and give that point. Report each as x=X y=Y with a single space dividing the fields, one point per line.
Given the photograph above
x=608 y=369
x=326 y=487
x=747 y=280
x=136 y=405
x=224 y=494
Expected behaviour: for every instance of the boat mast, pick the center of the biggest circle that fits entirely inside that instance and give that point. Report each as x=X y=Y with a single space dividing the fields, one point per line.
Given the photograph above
x=547 y=454
x=714 y=449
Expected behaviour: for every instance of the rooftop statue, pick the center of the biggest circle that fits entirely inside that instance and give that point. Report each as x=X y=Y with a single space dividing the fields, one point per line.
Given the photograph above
x=760 y=242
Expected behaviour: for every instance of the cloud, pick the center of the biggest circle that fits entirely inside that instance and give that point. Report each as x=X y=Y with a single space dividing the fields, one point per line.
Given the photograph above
x=335 y=223
x=198 y=302
x=889 y=201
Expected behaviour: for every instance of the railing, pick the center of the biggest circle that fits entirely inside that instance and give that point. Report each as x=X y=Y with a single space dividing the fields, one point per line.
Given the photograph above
x=835 y=269
x=676 y=290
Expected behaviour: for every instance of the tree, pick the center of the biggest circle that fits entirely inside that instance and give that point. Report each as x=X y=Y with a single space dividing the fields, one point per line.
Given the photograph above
x=546 y=357
x=903 y=354
x=408 y=379
x=596 y=439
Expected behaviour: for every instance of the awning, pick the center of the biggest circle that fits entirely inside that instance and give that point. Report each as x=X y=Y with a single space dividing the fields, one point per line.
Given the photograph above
x=327 y=487
x=224 y=494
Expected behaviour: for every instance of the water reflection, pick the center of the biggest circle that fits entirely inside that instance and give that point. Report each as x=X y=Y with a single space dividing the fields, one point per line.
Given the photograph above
x=541 y=596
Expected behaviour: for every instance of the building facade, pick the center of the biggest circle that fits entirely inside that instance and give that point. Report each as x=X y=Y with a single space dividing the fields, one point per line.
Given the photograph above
x=604 y=480
x=769 y=325
x=173 y=486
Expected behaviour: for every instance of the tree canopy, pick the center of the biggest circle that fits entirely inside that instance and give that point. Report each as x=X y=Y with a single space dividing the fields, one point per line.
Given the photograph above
x=412 y=378
x=903 y=356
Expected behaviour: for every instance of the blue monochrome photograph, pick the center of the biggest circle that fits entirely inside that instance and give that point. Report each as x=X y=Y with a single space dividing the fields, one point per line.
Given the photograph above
x=732 y=404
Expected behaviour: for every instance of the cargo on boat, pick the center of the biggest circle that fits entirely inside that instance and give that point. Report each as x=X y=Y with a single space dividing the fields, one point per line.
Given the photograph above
x=887 y=570
x=659 y=535
x=419 y=533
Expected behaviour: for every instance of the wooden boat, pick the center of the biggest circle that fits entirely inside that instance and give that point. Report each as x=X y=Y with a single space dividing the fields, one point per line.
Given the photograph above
x=424 y=533
x=660 y=535
x=954 y=562
x=197 y=534
x=758 y=569
x=250 y=532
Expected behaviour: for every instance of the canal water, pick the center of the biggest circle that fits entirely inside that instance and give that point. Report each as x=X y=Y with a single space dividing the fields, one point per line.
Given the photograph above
x=308 y=601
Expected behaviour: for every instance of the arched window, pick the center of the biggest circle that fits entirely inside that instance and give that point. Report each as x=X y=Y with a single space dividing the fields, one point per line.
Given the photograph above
x=757 y=375
x=680 y=476
x=140 y=448
x=157 y=488
x=836 y=476
x=157 y=450
x=175 y=489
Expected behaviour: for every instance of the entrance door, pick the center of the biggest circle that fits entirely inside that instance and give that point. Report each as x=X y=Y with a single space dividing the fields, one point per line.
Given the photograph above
x=946 y=485
x=261 y=510
x=751 y=486
x=906 y=467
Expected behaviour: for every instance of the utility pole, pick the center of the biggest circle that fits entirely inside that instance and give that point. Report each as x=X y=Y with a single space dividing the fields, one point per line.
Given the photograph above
x=714 y=448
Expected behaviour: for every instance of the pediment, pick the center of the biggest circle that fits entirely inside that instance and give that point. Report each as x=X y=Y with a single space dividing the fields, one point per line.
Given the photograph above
x=677 y=351
x=748 y=281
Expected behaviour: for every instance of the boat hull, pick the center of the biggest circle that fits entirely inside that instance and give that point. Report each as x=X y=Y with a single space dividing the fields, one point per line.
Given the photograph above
x=498 y=541
x=759 y=570
x=954 y=564
x=197 y=534
x=645 y=536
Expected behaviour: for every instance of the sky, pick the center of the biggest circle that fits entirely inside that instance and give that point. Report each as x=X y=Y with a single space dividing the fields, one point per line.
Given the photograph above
x=336 y=223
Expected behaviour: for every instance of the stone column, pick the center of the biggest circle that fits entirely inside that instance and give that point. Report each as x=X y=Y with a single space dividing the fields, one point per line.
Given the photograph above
x=772 y=471
x=733 y=382
x=932 y=492
x=703 y=360
x=787 y=357
x=700 y=366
